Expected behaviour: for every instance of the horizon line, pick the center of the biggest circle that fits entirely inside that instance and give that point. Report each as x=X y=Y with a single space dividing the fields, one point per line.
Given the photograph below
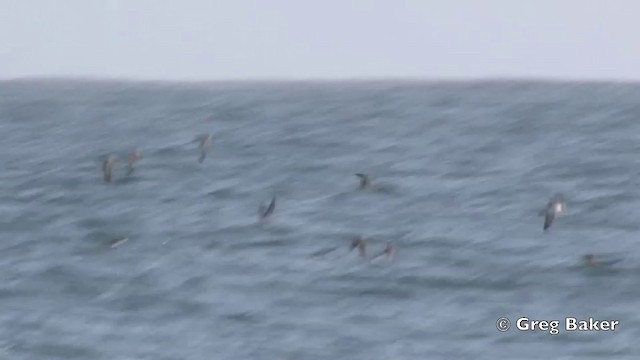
x=319 y=79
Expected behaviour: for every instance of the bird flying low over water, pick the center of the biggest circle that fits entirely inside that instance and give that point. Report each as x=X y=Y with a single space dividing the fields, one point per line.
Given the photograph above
x=361 y=244
x=107 y=167
x=133 y=157
x=389 y=251
x=365 y=180
x=265 y=212
x=555 y=206
x=205 y=144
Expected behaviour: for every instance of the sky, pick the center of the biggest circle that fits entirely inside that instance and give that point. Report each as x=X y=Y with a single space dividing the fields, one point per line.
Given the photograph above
x=323 y=39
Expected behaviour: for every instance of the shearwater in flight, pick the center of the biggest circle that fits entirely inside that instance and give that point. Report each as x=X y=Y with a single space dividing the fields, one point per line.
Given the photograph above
x=266 y=211
x=365 y=180
x=389 y=251
x=133 y=157
x=555 y=206
x=107 y=167
x=205 y=144
x=361 y=244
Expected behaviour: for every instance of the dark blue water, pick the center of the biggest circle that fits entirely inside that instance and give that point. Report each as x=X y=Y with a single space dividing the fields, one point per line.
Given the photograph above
x=462 y=171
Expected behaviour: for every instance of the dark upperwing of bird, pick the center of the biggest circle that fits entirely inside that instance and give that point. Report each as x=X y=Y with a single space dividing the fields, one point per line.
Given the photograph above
x=270 y=208
x=364 y=180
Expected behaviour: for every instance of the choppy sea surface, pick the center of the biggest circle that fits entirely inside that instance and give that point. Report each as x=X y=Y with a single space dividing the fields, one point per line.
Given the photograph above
x=462 y=169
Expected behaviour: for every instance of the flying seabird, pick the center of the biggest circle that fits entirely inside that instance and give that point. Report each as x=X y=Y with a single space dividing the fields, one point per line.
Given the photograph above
x=389 y=251
x=361 y=244
x=133 y=157
x=555 y=206
x=205 y=144
x=265 y=212
x=365 y=181
x=107 y=167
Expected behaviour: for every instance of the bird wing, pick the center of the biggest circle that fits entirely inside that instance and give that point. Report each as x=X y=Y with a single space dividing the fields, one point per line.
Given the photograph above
x=271 y=207
x=363 y=179
x=548 y=219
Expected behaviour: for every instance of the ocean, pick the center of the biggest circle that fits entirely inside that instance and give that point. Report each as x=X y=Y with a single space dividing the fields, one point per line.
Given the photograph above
x=461 y=169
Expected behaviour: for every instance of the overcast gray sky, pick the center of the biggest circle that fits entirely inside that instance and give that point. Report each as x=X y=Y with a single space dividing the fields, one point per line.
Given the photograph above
x=233 y=39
